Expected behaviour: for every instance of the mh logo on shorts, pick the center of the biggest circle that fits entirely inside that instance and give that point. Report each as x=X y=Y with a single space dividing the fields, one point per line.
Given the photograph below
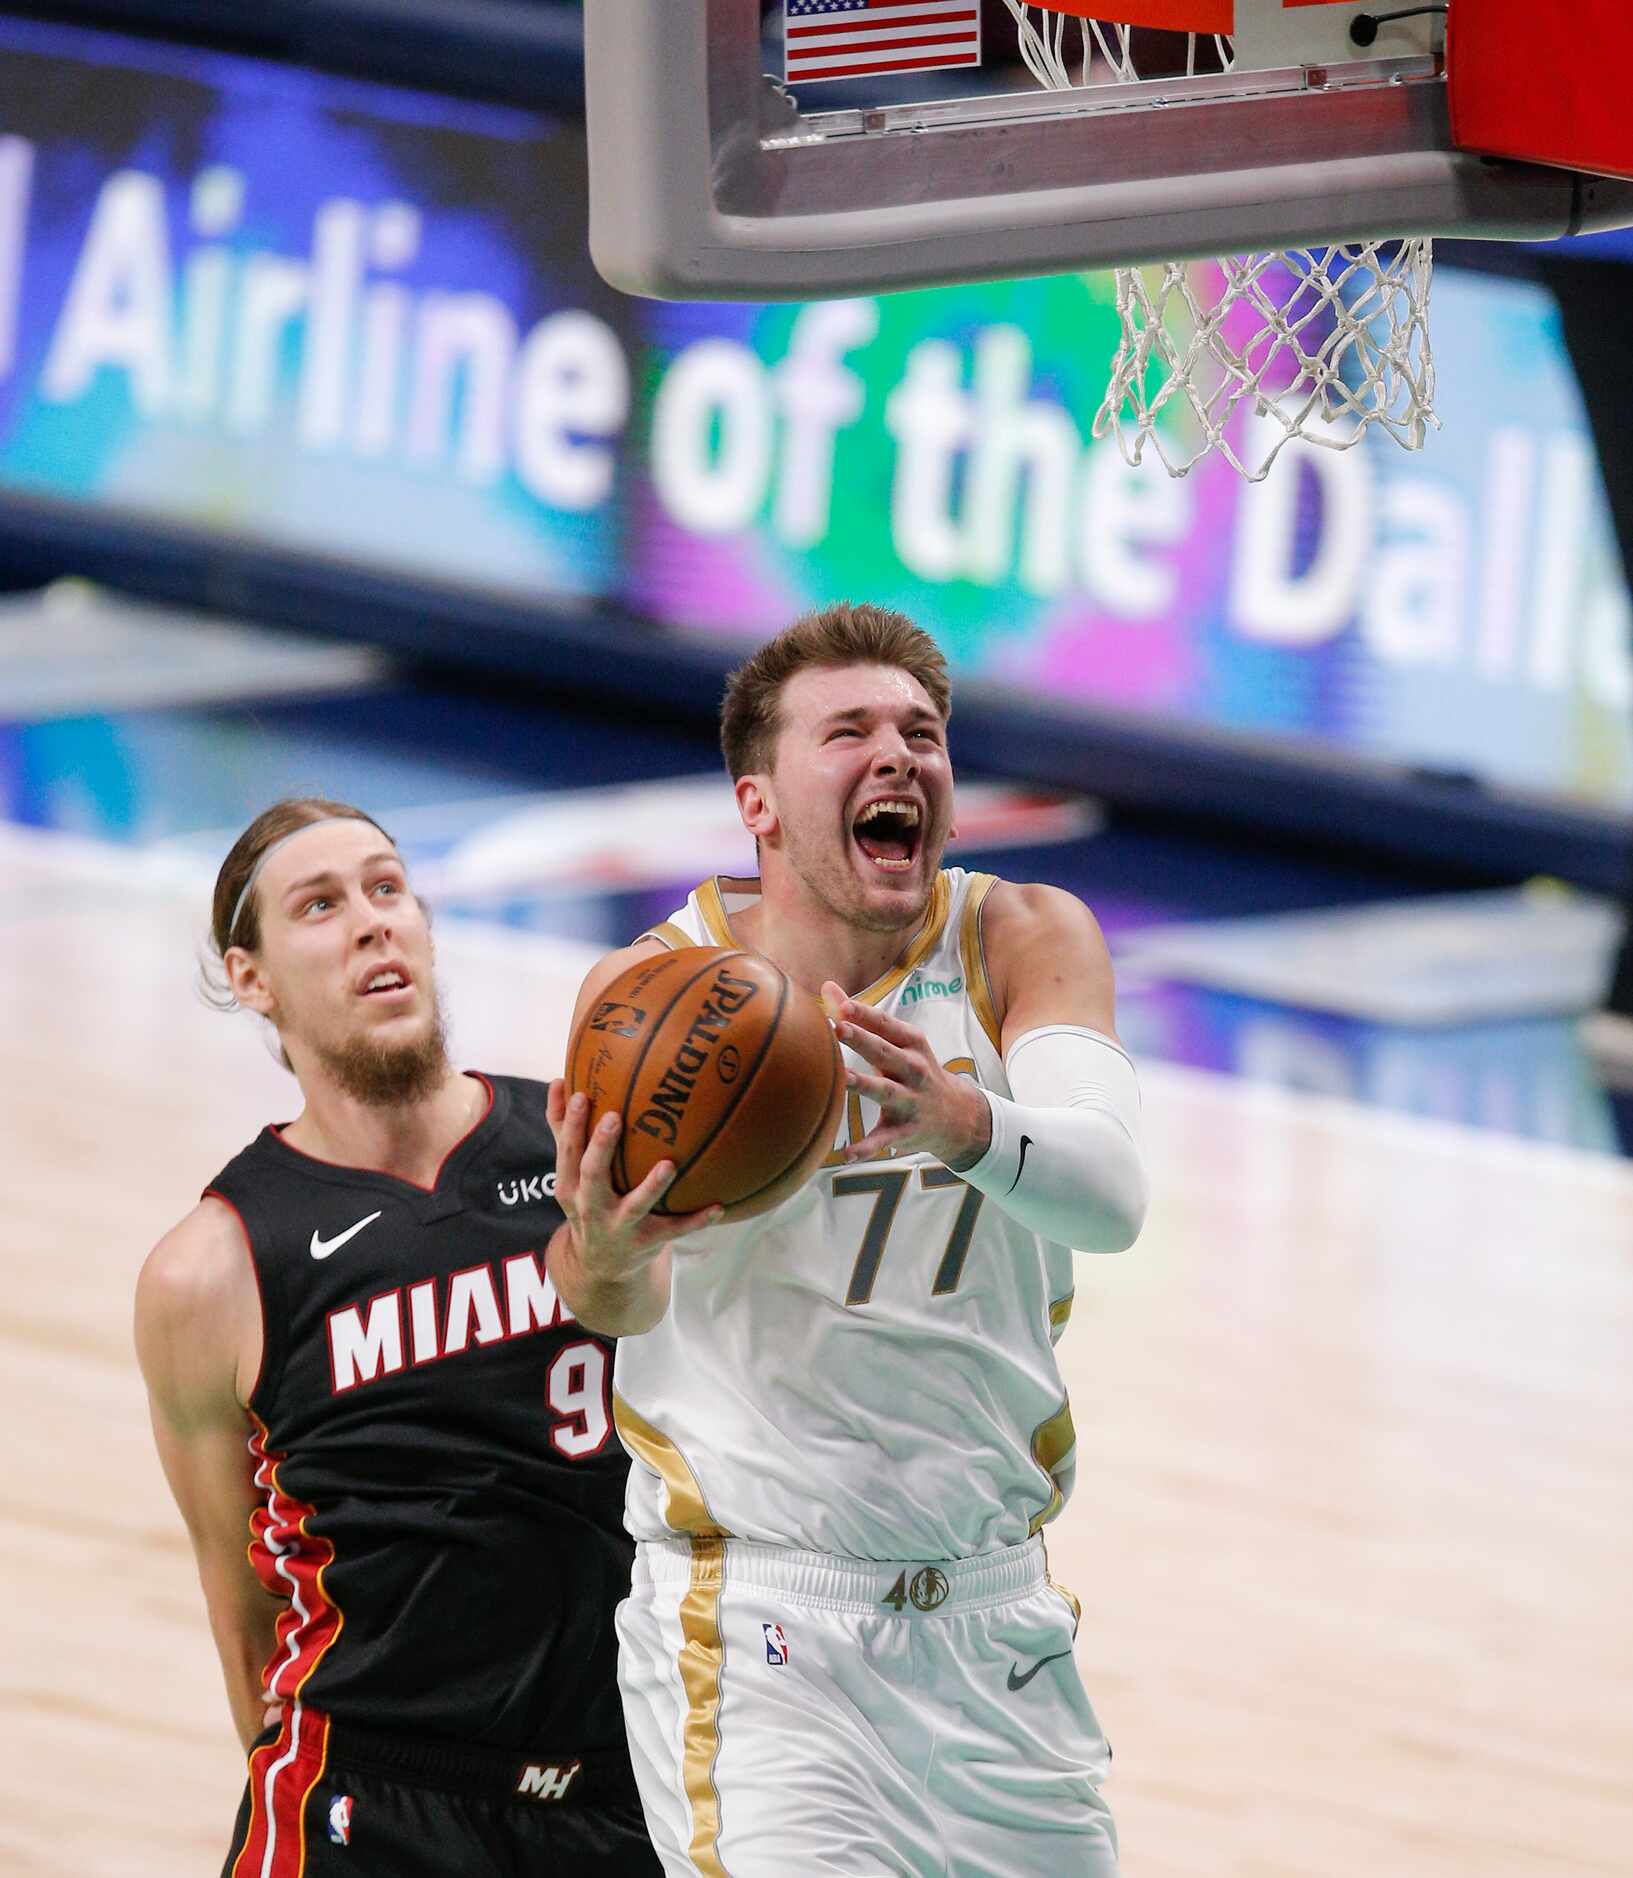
x=546 y=1783
x=776 y=1646
x=340 y=1819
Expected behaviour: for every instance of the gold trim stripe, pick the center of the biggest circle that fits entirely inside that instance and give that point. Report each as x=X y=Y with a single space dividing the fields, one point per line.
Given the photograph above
x=702 y=1663
x=977 y=987
x=935 y=920
x=1052 y=1441
x=1060 y=1310
x=685 y=1509
x=712 y=905
x=667 y=933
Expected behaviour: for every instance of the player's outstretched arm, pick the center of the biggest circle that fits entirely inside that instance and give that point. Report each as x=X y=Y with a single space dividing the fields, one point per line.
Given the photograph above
x=610 y=1261
x=1062 y=1154
x=198 y=1338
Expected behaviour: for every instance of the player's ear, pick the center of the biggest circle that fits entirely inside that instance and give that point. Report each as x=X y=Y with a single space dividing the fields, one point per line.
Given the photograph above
x=247 y=981
x=756 y=805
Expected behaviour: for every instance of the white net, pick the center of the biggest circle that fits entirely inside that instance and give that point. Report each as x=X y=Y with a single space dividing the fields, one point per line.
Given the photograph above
x=1049 y=41
x=1313 y=343
x=1243 y=355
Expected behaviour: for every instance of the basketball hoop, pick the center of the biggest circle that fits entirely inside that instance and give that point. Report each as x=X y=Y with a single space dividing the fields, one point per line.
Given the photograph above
x=1274 y=126
x=1244 y=355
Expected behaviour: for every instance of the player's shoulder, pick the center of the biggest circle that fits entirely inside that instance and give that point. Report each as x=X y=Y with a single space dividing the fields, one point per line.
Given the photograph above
x=198 y=1316
x=199 y=1274
x=606 y=969
x=519 y=1092
x=520 y=1117
x=1020 y=912
x=1044 y=952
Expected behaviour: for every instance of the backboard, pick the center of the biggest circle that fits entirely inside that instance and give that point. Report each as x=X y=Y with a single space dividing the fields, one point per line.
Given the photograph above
x=714 y=178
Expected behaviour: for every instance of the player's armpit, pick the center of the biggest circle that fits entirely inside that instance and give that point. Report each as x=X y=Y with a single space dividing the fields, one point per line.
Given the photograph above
x=198 y=1340
x=1046 y=961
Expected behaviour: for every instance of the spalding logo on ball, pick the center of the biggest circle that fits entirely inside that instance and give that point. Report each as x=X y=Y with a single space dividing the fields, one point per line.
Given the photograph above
x=719 y=1062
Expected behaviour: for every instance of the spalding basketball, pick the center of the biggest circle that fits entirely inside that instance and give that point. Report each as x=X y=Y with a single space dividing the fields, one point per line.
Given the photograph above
x=719 y=1062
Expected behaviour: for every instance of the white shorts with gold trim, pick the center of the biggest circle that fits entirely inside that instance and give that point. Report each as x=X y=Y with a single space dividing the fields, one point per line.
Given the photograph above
x=793 y=1715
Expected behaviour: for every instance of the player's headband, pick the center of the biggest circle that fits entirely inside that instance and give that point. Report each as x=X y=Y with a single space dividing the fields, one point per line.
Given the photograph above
x=268 y=852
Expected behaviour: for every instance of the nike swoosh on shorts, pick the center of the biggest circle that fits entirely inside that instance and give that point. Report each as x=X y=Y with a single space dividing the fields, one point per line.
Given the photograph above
x=1020 y=1682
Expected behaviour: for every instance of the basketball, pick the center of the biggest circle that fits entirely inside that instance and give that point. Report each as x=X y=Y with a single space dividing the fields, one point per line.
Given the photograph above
x=719 y=1062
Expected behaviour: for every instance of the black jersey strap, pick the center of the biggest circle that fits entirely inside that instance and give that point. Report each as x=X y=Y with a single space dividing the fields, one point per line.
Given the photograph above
x=579 y=1776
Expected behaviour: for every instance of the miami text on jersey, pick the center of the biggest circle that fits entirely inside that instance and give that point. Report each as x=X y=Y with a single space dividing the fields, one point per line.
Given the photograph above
x=483 y=1304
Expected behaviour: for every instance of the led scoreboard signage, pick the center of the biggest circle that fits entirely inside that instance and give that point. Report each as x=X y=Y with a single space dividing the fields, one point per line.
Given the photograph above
x=358 y=324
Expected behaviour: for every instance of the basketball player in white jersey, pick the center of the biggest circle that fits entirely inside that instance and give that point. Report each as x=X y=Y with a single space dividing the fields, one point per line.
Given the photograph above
x=843 y=1652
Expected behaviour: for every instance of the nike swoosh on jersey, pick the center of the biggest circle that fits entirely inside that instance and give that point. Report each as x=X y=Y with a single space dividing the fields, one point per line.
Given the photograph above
x=1020 y=1682
x=1026 y=1142
x=321 y=1248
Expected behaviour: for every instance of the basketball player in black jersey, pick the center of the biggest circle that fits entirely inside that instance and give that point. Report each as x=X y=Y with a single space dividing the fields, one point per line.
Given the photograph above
x=390 y=1442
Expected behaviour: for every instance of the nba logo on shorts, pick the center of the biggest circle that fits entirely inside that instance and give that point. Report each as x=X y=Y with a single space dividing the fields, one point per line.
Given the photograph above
x=776 y=1645
x=340 y=1819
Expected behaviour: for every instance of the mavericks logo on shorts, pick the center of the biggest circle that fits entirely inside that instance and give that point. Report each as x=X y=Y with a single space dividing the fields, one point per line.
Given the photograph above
x=340 y=1819
x=776 y=1645
x=927 y=1590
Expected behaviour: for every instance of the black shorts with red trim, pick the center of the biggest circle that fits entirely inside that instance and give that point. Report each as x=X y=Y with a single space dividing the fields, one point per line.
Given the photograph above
x=327 y=1801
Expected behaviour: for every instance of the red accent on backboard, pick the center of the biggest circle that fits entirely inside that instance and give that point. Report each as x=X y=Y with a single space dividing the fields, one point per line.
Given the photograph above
x=1544 y=90
x=1180 y=16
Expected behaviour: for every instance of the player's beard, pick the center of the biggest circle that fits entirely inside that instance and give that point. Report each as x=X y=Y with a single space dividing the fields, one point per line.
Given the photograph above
x=390 y=1075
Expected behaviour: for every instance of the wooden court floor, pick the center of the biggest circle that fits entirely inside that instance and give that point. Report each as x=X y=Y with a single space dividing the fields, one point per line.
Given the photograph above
x=1353 y=1526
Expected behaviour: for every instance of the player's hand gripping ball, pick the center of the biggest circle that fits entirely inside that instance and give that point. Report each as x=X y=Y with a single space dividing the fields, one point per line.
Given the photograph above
x=717 y=1061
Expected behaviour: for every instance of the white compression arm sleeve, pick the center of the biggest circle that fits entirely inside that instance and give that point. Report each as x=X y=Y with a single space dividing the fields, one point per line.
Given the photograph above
x=1065 y=1154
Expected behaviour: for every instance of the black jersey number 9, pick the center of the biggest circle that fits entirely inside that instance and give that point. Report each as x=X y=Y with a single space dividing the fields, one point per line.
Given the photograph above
x=577 y=1387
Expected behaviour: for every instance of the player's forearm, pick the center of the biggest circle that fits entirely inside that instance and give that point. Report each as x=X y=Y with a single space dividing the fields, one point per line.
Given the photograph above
x=246 y=1700
x=1065 y=1157
x=615 y=1304
x=245 y=1640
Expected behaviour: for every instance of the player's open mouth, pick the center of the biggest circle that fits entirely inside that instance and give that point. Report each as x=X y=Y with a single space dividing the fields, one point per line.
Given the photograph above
x=385 y=981
x=887 y=832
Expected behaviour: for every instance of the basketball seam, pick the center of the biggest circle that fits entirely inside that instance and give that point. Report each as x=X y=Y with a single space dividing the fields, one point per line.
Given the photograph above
x=702 y=1148
x=811 y=1138
x=620 y=1167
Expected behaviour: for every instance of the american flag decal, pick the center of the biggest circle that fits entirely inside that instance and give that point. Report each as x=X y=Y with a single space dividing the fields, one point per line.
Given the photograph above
x=856 y=38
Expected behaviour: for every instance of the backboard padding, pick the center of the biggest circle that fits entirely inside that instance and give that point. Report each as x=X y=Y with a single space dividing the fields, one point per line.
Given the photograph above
x=1544 y=94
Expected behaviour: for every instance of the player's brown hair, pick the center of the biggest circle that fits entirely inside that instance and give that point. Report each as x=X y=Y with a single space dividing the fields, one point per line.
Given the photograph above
x=846 y=633
x=272 y=825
